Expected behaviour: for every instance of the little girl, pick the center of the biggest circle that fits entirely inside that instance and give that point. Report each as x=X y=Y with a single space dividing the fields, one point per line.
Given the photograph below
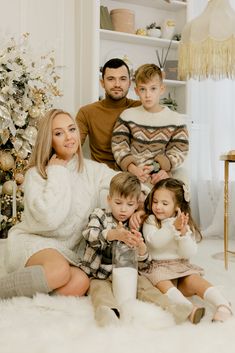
x=170 y=233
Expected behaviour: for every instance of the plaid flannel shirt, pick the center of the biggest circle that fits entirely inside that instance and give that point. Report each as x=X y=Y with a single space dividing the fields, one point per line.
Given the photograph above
x=95 y=234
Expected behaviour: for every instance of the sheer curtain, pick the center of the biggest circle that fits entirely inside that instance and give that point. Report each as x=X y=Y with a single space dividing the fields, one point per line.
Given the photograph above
x=212 y=111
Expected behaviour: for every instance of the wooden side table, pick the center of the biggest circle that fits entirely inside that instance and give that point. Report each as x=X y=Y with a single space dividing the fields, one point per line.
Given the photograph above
x=227 y=158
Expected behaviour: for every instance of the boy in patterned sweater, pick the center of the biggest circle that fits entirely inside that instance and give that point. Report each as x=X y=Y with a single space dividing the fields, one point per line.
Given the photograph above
x=150 y=141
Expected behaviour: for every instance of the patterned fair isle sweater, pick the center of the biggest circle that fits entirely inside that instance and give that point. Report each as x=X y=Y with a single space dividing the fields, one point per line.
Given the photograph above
x=140 y=137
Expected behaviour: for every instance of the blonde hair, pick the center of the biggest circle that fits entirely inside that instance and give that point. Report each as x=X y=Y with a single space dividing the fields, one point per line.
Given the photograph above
x=147 y=72
x=125 y=184
x=43 y=150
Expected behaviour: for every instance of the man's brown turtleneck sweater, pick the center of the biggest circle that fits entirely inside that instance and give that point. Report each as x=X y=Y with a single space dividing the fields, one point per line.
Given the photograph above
x=97 y=121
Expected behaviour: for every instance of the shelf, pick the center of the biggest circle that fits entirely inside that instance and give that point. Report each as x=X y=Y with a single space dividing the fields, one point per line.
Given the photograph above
x=174 y=5
x=137 y=39
x=174 y=83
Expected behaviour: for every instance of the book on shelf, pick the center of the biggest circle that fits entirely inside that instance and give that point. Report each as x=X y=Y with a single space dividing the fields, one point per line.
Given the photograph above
x=105 y=18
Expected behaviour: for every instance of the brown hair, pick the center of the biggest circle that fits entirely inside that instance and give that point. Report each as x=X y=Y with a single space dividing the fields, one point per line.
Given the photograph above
x=43 y=150
x=147 y=72
x=177 y=188
x=125 y=184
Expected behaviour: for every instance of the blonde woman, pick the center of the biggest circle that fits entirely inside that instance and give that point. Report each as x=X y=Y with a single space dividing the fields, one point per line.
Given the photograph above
x=61 y=190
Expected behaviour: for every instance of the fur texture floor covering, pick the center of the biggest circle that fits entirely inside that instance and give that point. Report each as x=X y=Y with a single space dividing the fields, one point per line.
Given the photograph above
x=49 y=324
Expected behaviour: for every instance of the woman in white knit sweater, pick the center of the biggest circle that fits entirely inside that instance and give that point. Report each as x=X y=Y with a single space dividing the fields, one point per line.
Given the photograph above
x=61 y=190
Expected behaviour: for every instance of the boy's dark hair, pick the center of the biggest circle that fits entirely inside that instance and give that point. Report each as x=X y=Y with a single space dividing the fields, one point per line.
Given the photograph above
x=125 y=184
x=177 y=188
x=115 y=63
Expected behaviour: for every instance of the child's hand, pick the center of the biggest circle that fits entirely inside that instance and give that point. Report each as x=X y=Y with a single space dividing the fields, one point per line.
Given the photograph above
x=141 y=173
x=181 y=222
x=122 y=234
x=135 y=220
x=141 y=246
x=156 y=177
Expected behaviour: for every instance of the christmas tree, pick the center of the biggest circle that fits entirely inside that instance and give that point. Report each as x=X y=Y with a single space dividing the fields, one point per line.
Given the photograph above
x=27 y=90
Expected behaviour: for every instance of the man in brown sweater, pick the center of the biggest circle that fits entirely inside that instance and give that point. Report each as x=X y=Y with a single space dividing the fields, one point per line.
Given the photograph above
x=97 y=120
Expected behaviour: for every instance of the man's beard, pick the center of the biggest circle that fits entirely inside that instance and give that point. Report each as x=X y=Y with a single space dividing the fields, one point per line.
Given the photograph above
x=117 y=98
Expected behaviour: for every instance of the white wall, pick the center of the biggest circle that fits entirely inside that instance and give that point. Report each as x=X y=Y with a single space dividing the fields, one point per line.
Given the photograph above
x=51 y=24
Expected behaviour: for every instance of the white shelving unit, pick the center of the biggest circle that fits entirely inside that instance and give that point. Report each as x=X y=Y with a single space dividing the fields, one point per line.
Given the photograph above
x=136 y=39
x=99 y=45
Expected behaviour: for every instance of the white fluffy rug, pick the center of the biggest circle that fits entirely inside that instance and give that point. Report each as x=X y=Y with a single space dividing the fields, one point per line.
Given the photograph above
x=50 y=324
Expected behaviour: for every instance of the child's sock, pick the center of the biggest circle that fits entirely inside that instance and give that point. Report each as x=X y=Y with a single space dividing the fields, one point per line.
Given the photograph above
x=213 y=296
x=177 y=297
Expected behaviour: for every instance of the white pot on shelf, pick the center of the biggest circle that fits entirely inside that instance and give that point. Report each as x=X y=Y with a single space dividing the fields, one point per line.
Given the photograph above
x=154 y=32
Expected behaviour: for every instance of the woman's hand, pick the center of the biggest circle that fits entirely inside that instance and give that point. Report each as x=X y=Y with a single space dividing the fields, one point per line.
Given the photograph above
x=181 y=222
x=55 y=160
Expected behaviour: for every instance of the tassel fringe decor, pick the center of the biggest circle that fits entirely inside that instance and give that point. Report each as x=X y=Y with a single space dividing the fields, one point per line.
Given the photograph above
x=207 y=59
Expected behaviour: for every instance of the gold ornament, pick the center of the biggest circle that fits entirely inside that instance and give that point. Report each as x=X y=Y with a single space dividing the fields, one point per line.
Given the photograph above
x=19 y=178
x=7 y=162
x=34 y=112
x=7 y=187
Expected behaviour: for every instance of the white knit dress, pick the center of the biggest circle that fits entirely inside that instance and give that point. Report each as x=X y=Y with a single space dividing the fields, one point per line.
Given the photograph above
x=56 y=211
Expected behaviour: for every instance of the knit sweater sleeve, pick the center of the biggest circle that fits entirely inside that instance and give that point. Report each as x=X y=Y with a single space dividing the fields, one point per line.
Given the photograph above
x=121 y=144
x=99 y=176
x=47 y=202
x=82 y=125
x=96 y=230
x=187 y=245
x=176 y=149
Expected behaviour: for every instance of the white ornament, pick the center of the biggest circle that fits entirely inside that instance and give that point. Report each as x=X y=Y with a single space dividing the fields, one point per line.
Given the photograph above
x=30 y=134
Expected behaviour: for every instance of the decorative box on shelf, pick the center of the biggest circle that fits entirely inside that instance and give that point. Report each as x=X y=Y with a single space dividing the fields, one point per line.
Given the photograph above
x=171 y=70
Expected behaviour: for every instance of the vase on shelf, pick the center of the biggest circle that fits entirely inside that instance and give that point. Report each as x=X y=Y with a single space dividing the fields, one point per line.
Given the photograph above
x=123 y=20
x=154 y=32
